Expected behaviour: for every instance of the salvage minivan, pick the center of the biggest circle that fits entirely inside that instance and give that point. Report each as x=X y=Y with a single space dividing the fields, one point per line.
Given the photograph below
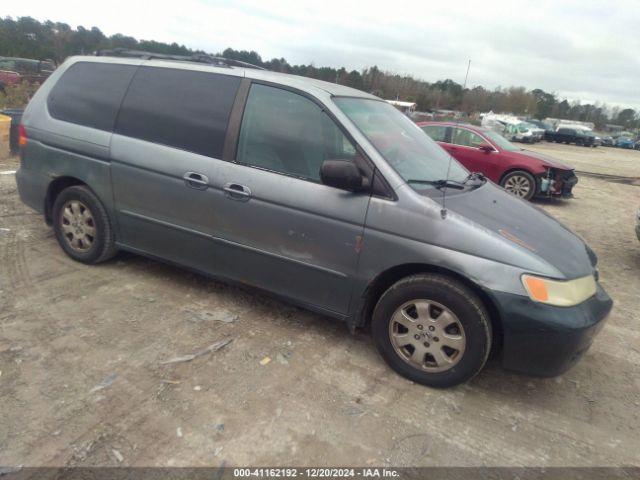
x=317 y=193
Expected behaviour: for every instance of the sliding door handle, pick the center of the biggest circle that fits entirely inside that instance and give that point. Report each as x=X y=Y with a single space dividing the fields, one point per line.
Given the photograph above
x=196 y=180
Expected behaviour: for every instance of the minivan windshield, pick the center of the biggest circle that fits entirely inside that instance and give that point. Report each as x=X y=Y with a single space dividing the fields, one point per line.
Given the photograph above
x=411 y=152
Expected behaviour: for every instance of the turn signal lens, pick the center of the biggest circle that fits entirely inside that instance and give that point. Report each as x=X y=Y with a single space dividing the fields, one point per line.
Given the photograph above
x=22 y=136
x=537 y=288
x=559 y=293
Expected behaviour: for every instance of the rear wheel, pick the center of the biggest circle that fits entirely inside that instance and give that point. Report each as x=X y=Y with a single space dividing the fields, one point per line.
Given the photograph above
x=82 y=226
x=432 y=330
x=519 y=183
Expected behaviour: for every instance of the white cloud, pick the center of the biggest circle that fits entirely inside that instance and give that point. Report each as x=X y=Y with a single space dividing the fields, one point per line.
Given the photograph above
x=578 y=48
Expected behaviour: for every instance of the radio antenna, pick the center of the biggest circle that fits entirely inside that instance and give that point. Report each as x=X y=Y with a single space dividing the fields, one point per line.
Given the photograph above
x=443 y=212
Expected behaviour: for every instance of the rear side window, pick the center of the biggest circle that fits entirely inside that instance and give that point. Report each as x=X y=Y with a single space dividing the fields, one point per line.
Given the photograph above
x=183 y=109
x=287 y=133
x=89 y=94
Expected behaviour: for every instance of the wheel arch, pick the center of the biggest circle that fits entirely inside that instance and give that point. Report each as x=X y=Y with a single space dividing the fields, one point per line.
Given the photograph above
x=385 y=279
x=56 y=186
x=518 y=168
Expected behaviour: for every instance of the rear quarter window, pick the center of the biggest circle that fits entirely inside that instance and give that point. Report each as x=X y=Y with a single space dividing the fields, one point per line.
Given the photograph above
x=90 y=94
x=183 y=109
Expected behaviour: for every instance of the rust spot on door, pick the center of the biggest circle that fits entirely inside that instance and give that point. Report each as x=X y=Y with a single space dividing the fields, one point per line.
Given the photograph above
x=359 y=243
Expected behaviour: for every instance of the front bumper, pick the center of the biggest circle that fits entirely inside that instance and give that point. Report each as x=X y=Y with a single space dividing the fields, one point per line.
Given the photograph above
x=562 y=185
x=568 y=180
x=544 y=340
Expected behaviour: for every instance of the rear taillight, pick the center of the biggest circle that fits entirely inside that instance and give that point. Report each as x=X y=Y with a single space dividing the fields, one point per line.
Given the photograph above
x=22 y=136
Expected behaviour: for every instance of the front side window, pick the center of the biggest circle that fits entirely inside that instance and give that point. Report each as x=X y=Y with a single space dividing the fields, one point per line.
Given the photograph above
x=466 y=138
x=288 y=133
x=405 y=147
x=437 y=132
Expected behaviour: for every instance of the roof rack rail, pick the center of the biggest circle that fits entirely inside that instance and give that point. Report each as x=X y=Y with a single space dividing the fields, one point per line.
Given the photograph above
x=197 y=57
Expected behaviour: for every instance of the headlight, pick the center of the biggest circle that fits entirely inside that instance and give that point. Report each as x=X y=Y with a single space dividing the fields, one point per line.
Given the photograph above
x=559 y=293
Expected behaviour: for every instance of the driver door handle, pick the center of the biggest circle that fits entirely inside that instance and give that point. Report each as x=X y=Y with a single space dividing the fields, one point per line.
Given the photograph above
x=235 y=191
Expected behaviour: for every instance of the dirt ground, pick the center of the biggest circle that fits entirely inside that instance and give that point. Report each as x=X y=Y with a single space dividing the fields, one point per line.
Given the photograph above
x=82 y=380
x=599 y=160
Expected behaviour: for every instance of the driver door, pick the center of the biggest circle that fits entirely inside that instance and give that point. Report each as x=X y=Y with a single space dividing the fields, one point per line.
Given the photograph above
x=281 y=228
x=464 y=147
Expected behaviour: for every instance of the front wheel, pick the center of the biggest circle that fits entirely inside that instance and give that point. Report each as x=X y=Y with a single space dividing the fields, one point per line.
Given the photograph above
x=519 y=183
x=432 y=330
x=82 y=226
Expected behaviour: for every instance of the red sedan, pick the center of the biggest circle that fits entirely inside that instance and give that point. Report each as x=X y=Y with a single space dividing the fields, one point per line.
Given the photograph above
x=520 y=172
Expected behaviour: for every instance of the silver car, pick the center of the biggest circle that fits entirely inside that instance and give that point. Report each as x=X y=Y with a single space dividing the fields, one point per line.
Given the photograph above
x=317 y=193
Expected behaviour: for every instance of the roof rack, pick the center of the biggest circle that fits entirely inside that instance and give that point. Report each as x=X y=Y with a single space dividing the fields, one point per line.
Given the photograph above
x=197 y=58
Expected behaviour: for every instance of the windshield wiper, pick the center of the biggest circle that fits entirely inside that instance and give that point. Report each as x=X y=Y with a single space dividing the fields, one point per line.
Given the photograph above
x=442 y=183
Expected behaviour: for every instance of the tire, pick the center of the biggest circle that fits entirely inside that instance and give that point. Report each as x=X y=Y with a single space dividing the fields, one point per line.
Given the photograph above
x=441 y=299
x=82 y=226
x=519 y=183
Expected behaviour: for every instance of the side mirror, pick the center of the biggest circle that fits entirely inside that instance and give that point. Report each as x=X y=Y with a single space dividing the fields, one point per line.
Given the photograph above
x=485 y=147
x=341 y=174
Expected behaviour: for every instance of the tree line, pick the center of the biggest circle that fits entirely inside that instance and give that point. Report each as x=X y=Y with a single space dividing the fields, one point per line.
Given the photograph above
x=30 y=38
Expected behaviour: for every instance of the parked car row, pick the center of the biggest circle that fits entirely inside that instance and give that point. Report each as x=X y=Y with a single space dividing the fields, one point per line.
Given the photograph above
x=625 y=141
x=16 y=70
x=577 y=136
x=524 y=132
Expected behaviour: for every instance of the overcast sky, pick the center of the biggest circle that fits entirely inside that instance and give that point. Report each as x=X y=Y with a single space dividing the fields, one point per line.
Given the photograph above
x=588 y=50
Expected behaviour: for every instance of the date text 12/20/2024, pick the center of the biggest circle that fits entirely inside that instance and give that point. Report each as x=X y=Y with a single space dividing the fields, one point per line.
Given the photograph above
x=315 y=473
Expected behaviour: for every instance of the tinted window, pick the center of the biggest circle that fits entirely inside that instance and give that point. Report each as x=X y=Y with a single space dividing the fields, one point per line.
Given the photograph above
x=288 y=133
x=179 y=108
x=436 y=132
x=89 y=94
x=466 y=138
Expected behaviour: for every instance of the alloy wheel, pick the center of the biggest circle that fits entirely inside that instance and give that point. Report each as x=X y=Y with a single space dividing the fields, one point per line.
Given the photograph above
x=518 y=185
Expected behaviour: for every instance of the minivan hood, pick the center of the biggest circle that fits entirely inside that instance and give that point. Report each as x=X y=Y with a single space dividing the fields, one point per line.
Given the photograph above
x=533 y=230
x=545 y=159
